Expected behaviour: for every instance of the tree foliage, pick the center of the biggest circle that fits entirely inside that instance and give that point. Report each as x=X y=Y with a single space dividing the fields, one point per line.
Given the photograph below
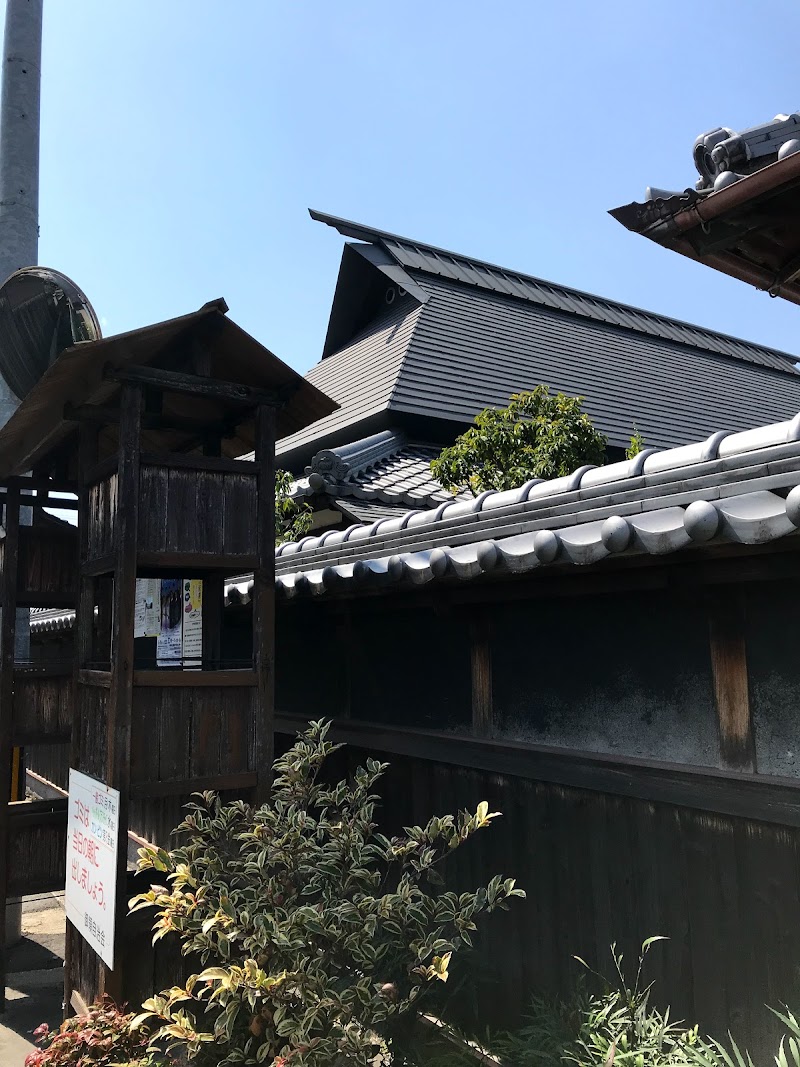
x=319 y=932
x=538 y=435
x=636 y=445
x=292 y=517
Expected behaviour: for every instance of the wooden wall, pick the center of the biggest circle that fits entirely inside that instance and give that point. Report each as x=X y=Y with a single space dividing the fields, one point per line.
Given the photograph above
x=171 y=497
x=101 y=524
x=42 y=705
x=48 y=565
x=639 y=731
x=600 y=868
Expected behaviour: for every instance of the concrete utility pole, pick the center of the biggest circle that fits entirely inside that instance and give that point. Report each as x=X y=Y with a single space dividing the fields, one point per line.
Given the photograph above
x=19 y=150
x=19 y=221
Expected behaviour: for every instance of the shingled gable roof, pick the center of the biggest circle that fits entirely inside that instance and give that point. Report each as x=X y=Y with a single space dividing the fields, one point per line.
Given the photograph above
x=461 y=334
x=736 y=488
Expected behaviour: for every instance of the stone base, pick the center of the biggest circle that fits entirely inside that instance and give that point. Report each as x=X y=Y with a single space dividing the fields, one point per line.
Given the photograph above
x=13 y=922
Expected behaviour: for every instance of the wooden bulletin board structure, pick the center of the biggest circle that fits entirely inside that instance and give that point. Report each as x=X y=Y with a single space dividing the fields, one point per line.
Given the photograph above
x=147 y=427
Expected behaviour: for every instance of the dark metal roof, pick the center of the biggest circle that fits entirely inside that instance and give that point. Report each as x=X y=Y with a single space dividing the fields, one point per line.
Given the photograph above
x=416 y=256
x=360 y=377
x=472 y=349
x=481 y=333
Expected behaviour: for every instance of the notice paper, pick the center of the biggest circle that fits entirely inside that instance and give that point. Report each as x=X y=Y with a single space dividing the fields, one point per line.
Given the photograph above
x=92 y=836
x=169 y=646
x=192 y=623
x=146 y=615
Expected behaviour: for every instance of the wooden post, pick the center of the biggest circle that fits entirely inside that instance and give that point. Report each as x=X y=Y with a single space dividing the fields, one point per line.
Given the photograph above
x=120 y=696
x=481 y=661
x=8 y=626
x=264 y=603
x=343 y=707
x=726 y=615
x=213 y=605
x=84 y=630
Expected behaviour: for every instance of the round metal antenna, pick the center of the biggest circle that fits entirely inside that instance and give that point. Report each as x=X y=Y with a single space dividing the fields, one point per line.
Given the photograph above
x=42 y=313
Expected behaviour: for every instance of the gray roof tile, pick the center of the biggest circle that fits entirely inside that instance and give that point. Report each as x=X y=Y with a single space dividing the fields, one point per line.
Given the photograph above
x=473 y=348
x=693 y=501
x=484 y=333
x=456 y=267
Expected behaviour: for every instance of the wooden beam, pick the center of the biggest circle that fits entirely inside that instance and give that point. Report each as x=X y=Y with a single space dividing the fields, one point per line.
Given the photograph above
x=101 y=679
x=185 y=786
x=8 y=629
x=229 y=564
x=196 y=679
x=481 y=663
x=199 y=385
x=97 y=471
x=110 y=416
x=726 y=621
x=120 y=696
x=723 y=792
x=264 y=603
x=17 y=481
x=199 y=463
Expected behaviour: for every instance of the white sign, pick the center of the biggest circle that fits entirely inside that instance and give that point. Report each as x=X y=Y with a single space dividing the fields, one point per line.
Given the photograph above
x=92 y=836
x=147 y=610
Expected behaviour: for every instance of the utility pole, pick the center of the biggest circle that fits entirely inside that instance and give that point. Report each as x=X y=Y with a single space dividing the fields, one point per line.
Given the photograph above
x=19 y=223
x=19 y=150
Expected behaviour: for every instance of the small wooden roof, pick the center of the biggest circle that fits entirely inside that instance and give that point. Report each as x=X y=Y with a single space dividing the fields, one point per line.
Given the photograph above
x=79 y=379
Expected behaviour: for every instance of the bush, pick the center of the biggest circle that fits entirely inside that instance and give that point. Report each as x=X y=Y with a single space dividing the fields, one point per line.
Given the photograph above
x=320 y=932
x=103 y=1038
x=536 y=436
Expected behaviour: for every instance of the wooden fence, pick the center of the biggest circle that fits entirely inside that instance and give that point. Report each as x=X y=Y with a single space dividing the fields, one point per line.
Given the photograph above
x=613 y=851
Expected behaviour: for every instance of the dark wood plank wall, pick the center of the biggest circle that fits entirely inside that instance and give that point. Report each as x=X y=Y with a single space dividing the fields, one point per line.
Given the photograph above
x=102 y=506
x=90 y=733
x=48 y=566
x=37 y=847
x=172 y=496
x=42 y=707
x=600 y=868
x=186 y=732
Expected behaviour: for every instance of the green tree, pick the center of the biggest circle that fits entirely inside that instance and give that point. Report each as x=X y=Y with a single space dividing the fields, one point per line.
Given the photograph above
x=538 y=435
x=292 y=517
x=636 y=445
x=318 y=933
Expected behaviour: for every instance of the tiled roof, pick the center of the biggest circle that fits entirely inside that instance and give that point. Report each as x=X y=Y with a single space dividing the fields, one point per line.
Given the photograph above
x=742 y=487
x=482 y=333
x=731 y=488
x=384 y=468
x=361 y=376
x=367 y=511
x=415 y=256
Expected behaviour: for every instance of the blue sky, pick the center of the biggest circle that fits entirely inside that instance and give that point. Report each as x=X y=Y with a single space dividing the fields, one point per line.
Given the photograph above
x=183 y=141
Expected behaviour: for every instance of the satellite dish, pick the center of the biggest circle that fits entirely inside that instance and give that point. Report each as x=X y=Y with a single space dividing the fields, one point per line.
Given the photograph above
x=42 y=313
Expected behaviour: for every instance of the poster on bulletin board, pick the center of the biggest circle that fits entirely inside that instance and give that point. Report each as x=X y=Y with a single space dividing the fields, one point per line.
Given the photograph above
x=169 y=644
x=146 y=616
x=192 y=623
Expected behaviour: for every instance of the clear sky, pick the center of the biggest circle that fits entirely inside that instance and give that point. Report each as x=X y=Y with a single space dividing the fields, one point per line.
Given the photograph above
x=184 y=140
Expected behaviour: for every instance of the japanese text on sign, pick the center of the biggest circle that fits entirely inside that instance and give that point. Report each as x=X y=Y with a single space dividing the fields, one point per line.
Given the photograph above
x=92 y=835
